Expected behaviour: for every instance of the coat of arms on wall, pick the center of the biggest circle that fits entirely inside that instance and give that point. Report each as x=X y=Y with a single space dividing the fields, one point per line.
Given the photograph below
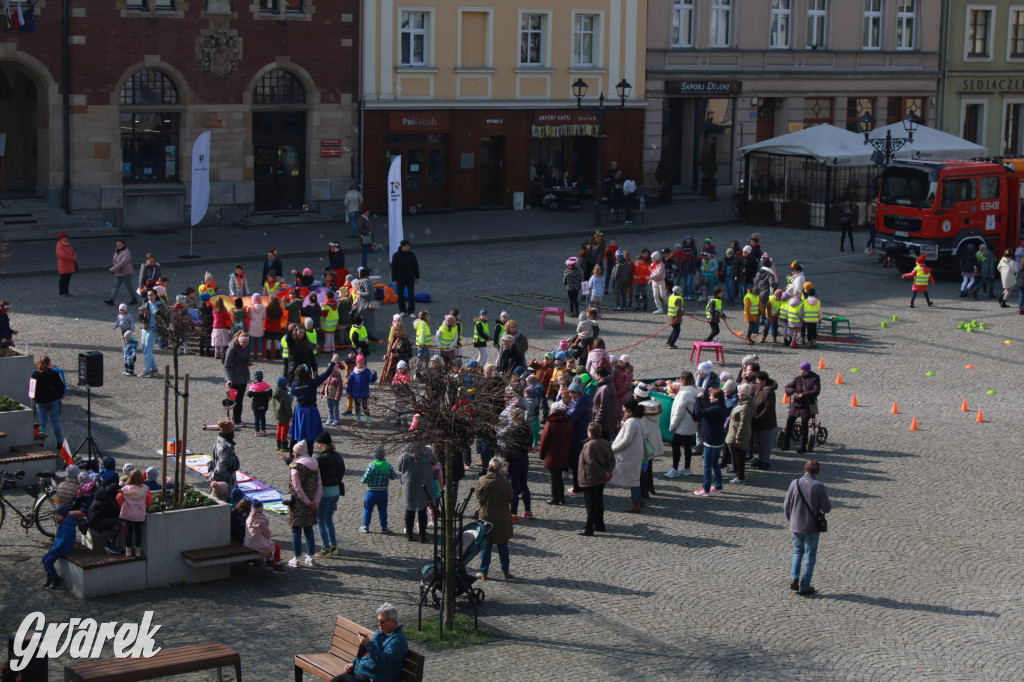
x=219 y=52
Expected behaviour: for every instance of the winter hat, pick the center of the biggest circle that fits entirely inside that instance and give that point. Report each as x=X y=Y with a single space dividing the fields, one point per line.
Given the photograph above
x=920 y=259
x=324 y=438
x=307 y=271
x=258 y=375
x=508 y=338
x=531 y=380
x=396 y=317
x=747 y=249
x=744 y=390
x=62 y=510
x=282 y=382
x=749 y=359
x=549 y=356
x=71 y=472
x=180 y=299
x=379 y=452
x=677 y=290
x=471 y=363
x=563 y=345
x=677 y=246
x=109 y=463
x=83 y=477
x=256 y=298
x=618 y=253
x=707 y=240
x=127 y=468
x=558 y=405
x=483 y=311
x=576 y=386
x=349 y=278
x=152 y=473
x=624 y=359
x=561 y=355
x=705 y=367
x=108 y=475
x=128 y=336
x=204 y=297
x=360 y=358
x=123 y=308
x=226 y=426
x=729 y=387
x=449 y=320
x=300 y=449
x=236 y=495
x=257 y=505
x=309 y=323
x=583 y=315
x=730 y=252
x=641 y=391
x=805 y=365
x=402 y=364
x=656 y=255
x=726 y=376
x=808 y=286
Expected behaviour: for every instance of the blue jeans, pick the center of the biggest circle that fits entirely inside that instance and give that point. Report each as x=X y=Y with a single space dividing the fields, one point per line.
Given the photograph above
x=333 y=407
x=378 y=499
x=325 y=520
x=688 y=285
x=712 y=467
x=730 y=287
x=485 y=557
x=53 y=410
x=297 y=539
x=366 y=254
x=148 y=340
x=353 y=220
x=255 y=345
x=126 y=280
x=259 y=420
x=804 y=544
x=634 y=494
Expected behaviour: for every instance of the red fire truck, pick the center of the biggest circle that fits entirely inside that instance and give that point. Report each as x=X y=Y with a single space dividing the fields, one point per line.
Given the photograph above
x=939 y=207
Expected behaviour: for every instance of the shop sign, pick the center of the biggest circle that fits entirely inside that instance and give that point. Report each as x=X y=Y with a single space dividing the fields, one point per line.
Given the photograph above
x=564 y=117
x=330 y=148
x=1000 y=85
x=419 y=121
x=703 y=88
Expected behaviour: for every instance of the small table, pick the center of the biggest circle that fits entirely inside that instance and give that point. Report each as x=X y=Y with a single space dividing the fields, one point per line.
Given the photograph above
x=835 y=320
x=554 y=310
x=699 y=346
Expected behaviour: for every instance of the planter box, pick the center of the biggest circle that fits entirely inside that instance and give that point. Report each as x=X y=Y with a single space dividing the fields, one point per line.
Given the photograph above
x=167 y=534
x=796 y=215
x=18 y=427
x=15 y=371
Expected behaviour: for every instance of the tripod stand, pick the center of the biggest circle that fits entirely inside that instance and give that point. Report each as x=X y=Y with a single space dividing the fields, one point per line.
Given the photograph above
x=93 y=459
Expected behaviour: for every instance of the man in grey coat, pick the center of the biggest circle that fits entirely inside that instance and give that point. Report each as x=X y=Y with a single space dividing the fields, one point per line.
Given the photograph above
x=805 y=499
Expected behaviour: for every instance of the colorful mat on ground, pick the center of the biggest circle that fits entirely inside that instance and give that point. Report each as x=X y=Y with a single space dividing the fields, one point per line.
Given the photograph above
x=253 y=488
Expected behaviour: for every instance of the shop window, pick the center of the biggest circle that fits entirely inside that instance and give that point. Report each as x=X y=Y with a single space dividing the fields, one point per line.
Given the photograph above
x=871 y=33
x=415 y=30
x=682 y=23
x=855 y=108
x=1014 y=129
x=1016 y=35
x=906 y=24
x=149 y=133
x=973 y=116
x=816 y=14
x=532 y=35
x=781 y=15
x=278 y=6
x=721 y=23
x=817 y=110
x=979 y=27
x=279 y=87
x=584 y=40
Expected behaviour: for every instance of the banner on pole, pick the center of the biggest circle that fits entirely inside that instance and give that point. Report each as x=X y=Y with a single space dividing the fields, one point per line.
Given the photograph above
x=395 y=232
x=200 y=177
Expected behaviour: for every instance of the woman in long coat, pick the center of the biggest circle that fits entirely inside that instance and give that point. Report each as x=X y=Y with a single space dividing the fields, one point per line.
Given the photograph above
x=494 y=493
x=67 y=263
x=628 y=447
x=416 y=466
x=555 y=442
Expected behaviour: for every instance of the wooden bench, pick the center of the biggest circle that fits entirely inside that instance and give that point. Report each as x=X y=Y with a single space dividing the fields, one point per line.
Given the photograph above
x=32 y=459
x=89 y=573
x=225 y=554
x=344 y=647
x=186 y=659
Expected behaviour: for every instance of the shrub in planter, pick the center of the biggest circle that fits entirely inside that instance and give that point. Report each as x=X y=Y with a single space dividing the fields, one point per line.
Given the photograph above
x=8 y=404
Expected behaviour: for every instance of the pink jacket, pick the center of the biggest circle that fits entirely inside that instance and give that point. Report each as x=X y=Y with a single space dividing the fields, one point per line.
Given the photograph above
x=257 y=533
x=122 y=263
x=332 y=387
x=657 y=272
x=133 y=500
x=66 y=258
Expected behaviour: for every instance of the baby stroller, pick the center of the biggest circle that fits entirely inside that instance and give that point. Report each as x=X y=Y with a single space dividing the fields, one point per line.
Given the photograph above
x=472 y=539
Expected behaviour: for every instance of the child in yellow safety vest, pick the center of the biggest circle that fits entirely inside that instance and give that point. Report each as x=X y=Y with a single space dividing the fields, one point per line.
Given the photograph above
x=812 y=317
x=714 y=313
x=922 y=276
x=772 y=315
x=751 y=313
x=329 y=321
x=421 y=327
x=793 y=312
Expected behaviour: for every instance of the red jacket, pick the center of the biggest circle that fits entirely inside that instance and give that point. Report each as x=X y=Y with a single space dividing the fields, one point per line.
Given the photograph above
x=66 y=258
x=641 y=271
x=555 y=440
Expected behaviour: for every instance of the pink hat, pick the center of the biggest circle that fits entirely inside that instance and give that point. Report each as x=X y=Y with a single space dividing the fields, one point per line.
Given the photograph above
x=307 y=271
x=624 y=359
x=563 y=345
x=256 y=298
x=360 y=358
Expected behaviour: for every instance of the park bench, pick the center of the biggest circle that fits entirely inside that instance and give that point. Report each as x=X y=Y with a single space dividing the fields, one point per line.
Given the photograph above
x=186 y=659
x=89 y=573
x=225 y=554
x=344 y=647
x=32 y=459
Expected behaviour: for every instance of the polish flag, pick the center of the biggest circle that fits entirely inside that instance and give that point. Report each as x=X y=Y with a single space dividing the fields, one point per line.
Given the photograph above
x=65 y=454
x=17 y=19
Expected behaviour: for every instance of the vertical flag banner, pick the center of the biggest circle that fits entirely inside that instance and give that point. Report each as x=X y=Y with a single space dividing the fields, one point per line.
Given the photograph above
x=395 y=232
x=200 y=177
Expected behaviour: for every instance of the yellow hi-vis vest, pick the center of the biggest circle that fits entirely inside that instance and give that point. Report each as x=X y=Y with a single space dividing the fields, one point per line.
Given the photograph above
x=330 y=322
x=447 y=337
x=713 y=304
x=311 y=337
x=776 y=307
x=812 y=313
x=793 y=311
x=477 y=336
x=422 y=332
x=284 y=345
x=357 y=335
x=922 y=276
x=271 y=290
x=675 y=305
x=752 y=302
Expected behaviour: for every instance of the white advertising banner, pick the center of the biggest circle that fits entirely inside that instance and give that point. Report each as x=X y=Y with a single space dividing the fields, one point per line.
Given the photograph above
x=395 y=232
x=200 y=177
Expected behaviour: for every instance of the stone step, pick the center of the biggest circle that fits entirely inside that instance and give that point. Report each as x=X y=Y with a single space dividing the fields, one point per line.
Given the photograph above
x=283 y=218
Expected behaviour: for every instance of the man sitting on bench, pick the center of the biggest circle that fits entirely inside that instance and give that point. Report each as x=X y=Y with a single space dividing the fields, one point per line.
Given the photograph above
x=381 y=656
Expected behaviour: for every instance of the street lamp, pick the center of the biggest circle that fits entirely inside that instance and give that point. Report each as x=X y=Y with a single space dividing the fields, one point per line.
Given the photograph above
x=887 y=146
x=579 y=91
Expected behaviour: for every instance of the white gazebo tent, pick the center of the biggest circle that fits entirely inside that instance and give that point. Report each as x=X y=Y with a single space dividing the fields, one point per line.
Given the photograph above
x=930 y=144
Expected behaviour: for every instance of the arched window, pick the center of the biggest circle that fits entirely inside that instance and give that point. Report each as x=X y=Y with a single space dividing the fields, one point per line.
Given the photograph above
x=279 y=87
x=149 y=132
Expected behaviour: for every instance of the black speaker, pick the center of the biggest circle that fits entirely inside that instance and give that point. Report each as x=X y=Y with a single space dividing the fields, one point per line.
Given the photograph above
x=90 y=369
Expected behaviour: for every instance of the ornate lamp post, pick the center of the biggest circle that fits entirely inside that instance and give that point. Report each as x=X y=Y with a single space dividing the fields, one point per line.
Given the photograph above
x=887 y=146
x=579 y=91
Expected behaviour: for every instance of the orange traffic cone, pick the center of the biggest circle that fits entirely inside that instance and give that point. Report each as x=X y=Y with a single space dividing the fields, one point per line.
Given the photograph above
x=853 y=402
x=914 y=426
x=980 y=419
x=785 y=399
x=895 y=408
x=839 y=378
x=821 y=363
x=963 y=406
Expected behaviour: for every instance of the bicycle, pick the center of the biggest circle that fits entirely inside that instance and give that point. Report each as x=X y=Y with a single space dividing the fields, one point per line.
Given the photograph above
x=43 y=508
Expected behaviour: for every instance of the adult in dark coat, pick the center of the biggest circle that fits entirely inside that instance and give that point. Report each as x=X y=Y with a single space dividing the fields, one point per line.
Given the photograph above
x=299 y=353
x=597 y=462
x=606 y=404
x=416 y=466
x=494 y=493
x=555 y=442
x=509 y=356
x=580 y=412
x=236 y=371
x=765 y=420
x=272 y=265
x=405 y=273
x=803 y=393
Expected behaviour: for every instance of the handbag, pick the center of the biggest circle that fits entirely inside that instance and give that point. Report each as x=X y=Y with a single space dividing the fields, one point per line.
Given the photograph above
x=814 y=409
x=819 y=518
x=366 y=239
x=288 y=500
x=649 y=450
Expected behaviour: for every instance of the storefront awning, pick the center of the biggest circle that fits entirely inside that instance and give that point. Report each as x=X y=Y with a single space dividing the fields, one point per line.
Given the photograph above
x=568 y=130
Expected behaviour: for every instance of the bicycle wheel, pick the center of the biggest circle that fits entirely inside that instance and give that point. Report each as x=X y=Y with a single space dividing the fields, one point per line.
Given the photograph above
x=43 y=511
x=780 y=439
x=797 y=431
x=822 y=435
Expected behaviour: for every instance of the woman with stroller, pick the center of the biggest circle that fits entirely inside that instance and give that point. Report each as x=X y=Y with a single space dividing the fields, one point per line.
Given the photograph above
x=494 y=493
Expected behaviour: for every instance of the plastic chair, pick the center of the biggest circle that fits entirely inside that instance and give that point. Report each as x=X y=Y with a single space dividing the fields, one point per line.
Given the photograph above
x=553 y=310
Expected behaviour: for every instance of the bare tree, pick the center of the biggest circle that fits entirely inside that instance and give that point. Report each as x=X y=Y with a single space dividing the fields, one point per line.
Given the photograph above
x=176 y=325
x=453 y=408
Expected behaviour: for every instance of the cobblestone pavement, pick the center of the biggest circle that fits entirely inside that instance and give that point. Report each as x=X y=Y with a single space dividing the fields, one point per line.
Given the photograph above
x=918 y=578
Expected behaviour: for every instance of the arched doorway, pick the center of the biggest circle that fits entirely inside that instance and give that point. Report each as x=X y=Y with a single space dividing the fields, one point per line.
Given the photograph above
x=279 y=142
x=18 y=123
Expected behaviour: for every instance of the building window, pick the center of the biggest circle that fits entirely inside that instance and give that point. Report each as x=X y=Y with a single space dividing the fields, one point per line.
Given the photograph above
x=584 y=38
x=531 y=39
x=871 y=38
x=415 y=27
x=1014 y=133
x=721 y=23
x=897 y=108
x=279 y=87
x=142 y=5
x=781 y=14
x=979 y=22
x=682 y=23
x=1016 y=38
x=817 y=110
x=816 y=13
x=974 y=114
x=277 y=6
x=855 y=108
x=906 y=24
x=149 y=134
